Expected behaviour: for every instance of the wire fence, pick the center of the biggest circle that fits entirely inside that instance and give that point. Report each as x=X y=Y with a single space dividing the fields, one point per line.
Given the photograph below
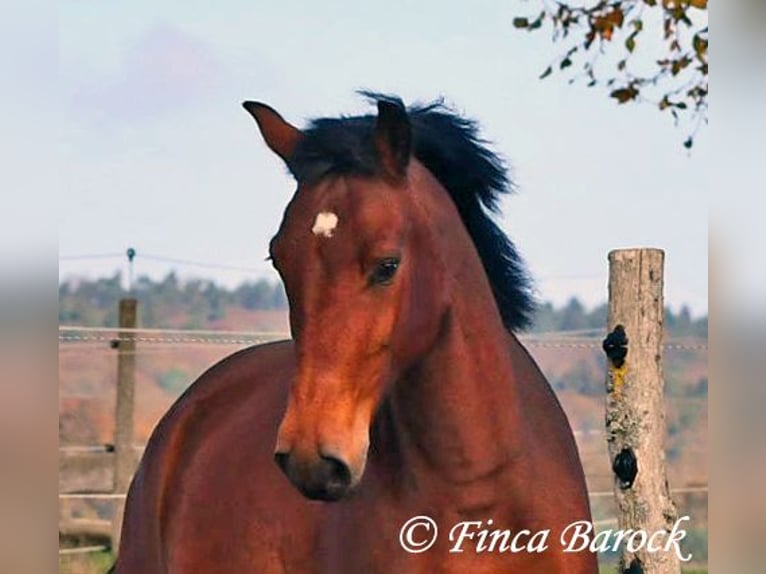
x=585 y=339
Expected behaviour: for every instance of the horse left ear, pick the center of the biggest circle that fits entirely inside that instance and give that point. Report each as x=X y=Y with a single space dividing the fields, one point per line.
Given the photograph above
x=279 y=135
x=393 y=137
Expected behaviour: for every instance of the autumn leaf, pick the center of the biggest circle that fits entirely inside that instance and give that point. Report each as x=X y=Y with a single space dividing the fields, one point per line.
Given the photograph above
x=624 y=95
x=521 y=22
x=700 y=45
x=589 y=37
x=538 y=22
x=679 y=65
x=616 y=17
x=605 y=25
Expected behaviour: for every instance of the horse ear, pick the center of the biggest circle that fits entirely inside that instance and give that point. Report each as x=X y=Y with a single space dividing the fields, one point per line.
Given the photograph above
x=393 y=137
x=279 y=135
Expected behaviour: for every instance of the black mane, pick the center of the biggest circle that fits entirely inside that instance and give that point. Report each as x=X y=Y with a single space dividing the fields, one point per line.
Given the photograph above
x=450 y=147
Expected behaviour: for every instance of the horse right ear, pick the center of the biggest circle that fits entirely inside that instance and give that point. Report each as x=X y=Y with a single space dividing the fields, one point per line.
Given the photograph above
x=280 y=136
x=393 y=137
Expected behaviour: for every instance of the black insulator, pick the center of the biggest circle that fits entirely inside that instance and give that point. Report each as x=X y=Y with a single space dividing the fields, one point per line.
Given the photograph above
x=625 y=466
x=635 y=567
x=616 y=346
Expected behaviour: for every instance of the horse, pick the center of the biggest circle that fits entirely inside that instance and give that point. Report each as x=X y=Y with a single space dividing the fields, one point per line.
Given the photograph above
x=403 y=427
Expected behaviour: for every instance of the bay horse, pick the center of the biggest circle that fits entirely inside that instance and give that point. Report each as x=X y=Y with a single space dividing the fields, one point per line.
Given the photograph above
x=403 y=393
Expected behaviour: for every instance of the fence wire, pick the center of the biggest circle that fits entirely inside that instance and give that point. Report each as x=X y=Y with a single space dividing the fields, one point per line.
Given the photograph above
x=79 y=334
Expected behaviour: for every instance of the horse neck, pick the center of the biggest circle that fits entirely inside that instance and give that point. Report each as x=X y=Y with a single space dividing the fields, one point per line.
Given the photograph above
x=458 y=408
x=457 y=413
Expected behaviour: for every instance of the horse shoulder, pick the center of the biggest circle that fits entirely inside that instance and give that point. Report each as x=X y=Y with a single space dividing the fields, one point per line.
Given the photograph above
x=215 y=441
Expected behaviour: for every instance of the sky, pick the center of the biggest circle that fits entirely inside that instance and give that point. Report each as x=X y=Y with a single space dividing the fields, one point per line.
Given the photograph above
x=158 y=154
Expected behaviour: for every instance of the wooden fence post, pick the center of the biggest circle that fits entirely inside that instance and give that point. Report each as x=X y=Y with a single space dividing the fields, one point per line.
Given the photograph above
x=124 y=453
x=635 y=407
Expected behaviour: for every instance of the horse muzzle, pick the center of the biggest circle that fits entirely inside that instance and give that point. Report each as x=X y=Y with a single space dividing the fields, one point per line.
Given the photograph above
x=324 y=478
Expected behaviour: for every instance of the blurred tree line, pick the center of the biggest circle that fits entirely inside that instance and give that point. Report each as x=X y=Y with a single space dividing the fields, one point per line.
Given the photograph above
x=575 y=317
x=94 y=303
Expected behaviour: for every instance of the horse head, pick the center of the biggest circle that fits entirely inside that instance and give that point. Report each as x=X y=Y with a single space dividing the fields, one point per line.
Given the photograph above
x=365 y=285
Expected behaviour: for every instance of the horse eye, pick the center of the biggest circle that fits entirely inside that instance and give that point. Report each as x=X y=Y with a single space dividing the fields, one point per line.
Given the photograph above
x=384 y=271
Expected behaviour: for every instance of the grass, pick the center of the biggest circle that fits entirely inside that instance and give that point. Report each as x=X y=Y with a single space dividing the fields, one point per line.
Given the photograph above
x=90 y=563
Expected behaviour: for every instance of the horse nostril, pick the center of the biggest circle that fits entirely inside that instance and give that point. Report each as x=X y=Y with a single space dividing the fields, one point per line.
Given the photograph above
x=337 y=472
x=281 y=458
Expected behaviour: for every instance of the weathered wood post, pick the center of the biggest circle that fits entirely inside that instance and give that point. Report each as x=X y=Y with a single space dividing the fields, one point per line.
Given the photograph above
x=124 y=453
x=635 y=408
